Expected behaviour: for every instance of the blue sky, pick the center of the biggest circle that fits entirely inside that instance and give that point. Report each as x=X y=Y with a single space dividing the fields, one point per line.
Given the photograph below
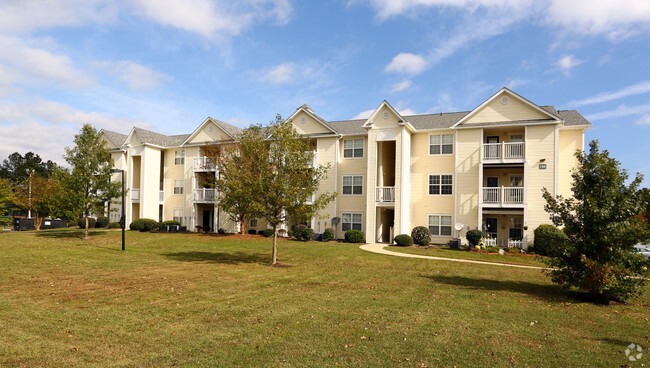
x=166 y=65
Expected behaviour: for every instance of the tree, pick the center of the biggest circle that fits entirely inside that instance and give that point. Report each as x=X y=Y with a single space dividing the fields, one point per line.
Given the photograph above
x=602 y=222
x=280 y=177
x=37 y=196
x=6 y=198
x=236 y=180
x=90 y=176
x=18 y=168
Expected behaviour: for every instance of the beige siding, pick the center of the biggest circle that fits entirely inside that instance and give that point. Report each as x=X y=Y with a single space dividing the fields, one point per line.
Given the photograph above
x=172 y=201
x=570 y=142
x=422 y=165
x=210 y=132
x=327 y=155
x=305 y=124
x=513 y=110
x=541 y=145
x=467 y=178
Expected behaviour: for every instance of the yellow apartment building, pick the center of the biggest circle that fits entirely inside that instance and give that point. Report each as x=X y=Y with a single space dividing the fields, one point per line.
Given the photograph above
x=484 y=168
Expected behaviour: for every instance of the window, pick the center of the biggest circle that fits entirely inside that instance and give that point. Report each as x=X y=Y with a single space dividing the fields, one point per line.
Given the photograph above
x=178 y=186
x=440 y=184
x=441 y=144
x=177 y=215
x=351 y=221
x=353 y=148
x=440 y=225
x=179 y=157
x=516 y=181
x=352 y=184
x=253 y=222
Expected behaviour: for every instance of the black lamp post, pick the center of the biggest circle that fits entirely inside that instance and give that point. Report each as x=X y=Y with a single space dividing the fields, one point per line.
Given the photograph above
x=123 y=217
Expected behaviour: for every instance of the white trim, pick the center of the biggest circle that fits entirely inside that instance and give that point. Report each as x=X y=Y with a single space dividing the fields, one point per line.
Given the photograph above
x=451 y=224
x=440 y=174
x=453 y=149
x=312 y=115
x=364 y=148
x=353 y=213
x=363 y=182
x=405 y=185
x=455 y=182
x=556 y=180
x=182 y=186
x=513 y=123
x=211 y=120
x=369 y=122
x=336 y=173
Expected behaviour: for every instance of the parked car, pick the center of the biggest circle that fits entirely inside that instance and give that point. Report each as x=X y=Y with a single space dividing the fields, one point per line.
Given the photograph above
x=643 y=249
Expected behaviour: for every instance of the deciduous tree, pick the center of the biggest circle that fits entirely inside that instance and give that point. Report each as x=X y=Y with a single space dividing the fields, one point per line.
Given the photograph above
x=602 y=221
x=6 y=198
x=90 y=176
x=17 y=168
x=37 y=196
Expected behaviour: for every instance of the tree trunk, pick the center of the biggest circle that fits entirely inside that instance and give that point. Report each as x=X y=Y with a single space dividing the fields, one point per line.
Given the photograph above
x=86 y=229
x=38 y=220
x=274 y=254
x=242 y=222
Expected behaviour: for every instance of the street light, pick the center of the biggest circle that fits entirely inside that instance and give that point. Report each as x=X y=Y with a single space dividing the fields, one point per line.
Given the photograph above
x=123 y=217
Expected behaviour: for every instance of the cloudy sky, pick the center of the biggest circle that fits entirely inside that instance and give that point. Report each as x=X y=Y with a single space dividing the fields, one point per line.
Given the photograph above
x=166 y=65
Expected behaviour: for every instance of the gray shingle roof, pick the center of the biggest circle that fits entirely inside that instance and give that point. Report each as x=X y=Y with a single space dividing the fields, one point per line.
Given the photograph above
x=158 y=139
x=435 y=121
x=573 y=118
x=348 y=127
x=230 y=129
x=115 y=137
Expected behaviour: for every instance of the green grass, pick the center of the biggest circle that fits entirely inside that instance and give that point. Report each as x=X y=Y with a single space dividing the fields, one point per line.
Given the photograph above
x=512 y=258
x=196 y=300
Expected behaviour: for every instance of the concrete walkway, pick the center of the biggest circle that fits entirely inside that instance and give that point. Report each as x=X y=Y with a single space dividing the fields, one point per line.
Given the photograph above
x=379 y=248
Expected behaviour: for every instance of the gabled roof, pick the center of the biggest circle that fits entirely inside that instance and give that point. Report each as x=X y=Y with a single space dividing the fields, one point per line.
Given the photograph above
x=232 y=131
x=384 y=103
x=502 y=91
x=117 y=139
x=157 y=139
x=309 y=111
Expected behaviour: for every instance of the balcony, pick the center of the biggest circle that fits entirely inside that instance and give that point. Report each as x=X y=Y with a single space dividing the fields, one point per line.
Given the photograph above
x=204 y=195
x=504 y=196
x=504 y=152
x=385 y=195
x=203 y=164
x=161 y=196
x=135 y=194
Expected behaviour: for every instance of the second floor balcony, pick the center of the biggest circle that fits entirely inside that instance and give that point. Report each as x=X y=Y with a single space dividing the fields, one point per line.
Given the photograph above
x=135 y=194
x=385 y=195
x=203 y=164
x=503 y=152
x=204 y=195
x=504 y=196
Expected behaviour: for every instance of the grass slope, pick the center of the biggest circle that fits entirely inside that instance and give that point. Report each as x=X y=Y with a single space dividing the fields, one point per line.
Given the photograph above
x=195 y=300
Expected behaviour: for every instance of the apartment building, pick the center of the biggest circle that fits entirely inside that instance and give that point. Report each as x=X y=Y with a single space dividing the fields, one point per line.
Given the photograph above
x=483 y=169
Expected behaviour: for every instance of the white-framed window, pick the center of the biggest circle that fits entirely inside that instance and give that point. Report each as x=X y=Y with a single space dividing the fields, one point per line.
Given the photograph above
x=253 y=222
x=352 y=184
x=515 y=138
x=516 y=181
x=440 y=225
x=440 y=184
x=177 y=215
x=179 y=157
x=353 y=148
x=441 y=144
x=178 y=186
x=351 y=221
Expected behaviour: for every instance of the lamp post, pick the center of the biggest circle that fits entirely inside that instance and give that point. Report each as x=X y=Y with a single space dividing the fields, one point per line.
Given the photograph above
x=123 y=217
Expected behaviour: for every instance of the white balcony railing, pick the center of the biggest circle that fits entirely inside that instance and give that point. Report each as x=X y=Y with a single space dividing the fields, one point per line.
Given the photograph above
x=503 y=195
x=385 y=194
x=204 y=195
x=135 y=194
x=203 y=164
x=161 y=196
x=503 y=150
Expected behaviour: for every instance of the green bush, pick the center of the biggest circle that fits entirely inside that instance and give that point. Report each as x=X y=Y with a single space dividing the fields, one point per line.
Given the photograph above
x=403 y=240
x=474 y=236
x=328 y=234
x=267 y=233
x=102 y=222
x=291 y=233
x=303 y=233
x=144 y=224
x=421 y=235
x=549 y=240
x=114 y=225
x=252 y=231
x=355 y=236
x=82 y=222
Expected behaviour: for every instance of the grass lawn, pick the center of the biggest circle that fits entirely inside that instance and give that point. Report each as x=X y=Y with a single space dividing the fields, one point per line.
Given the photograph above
x=196 y=300
x=513 y=258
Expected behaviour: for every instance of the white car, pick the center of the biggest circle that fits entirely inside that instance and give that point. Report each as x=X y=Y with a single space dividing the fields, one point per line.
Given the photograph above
x=643 y=249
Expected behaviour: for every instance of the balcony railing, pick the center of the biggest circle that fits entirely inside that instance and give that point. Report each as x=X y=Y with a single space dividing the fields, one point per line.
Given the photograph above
x=135 y=194
x=385 y=194
x=503 y=195
x=203 y=164
x=161 y=196
x=204 y=195
x=504 y=151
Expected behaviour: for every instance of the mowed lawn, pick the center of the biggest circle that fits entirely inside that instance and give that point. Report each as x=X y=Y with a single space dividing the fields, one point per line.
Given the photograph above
x=187 y=300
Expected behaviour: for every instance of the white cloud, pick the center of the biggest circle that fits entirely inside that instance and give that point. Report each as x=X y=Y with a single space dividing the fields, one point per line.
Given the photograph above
x=614 y=18
x=644 y=120
x=406 y=111
x=633 y=90
x=401 y=86
x=568 y=62
x=134 y=75
x=29 y=64
x=36 y=137
x=514 y=83
x=620 y=111
x=363 y=114
x=280 y=74
x=407 y=63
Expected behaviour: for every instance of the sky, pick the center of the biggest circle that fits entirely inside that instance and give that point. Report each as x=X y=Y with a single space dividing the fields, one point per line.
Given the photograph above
x=166 y=65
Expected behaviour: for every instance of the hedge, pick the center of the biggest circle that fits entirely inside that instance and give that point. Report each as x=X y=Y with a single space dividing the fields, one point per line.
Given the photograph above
x=102 y=222
x=82 y=222
x=144 y=224
x=328 y=234
x=404 y=240
x=474 y=236
x=549 y=240
x=355 y=236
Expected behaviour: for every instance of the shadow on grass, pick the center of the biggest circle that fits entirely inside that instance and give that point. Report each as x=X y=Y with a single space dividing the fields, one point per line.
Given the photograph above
x=69 y=234
x=218 y=257
x=551 y=293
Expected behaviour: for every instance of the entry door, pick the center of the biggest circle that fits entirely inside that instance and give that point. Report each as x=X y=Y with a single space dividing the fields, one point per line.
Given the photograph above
x=206 y=219
x=491 y=227
x=493 y=151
